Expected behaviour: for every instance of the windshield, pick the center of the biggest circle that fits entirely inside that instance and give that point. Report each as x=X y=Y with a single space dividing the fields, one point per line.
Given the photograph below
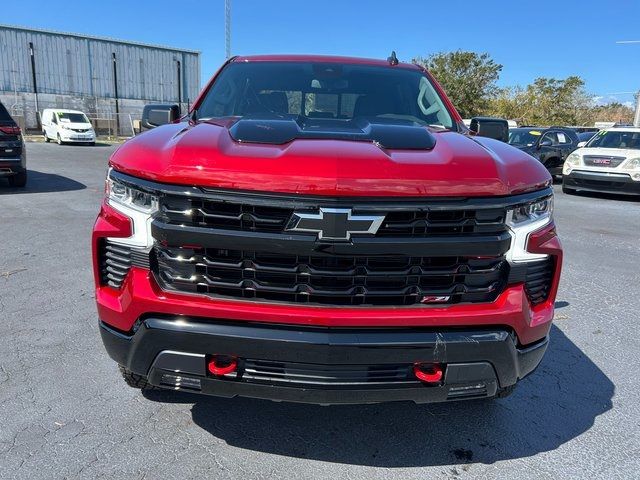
x=523 y=137
x=324 y=91
x=66 y=117
x=613 y=139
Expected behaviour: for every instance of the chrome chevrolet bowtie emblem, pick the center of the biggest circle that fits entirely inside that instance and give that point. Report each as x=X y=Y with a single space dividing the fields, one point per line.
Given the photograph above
x=334 y=223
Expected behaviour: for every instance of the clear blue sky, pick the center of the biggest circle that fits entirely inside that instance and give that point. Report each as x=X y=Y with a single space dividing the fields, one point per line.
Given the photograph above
x=530 y=38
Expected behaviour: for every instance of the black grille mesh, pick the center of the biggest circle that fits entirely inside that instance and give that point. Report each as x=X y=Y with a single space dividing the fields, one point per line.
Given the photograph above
x=116 y=260
x=336 y=280
x=414 y=221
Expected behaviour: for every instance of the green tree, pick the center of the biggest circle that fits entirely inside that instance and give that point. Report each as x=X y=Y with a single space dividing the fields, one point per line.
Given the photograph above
x=469 y=78
x=551 y=101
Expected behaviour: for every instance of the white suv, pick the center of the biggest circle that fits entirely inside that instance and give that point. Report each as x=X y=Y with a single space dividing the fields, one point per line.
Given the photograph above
x=609 y=162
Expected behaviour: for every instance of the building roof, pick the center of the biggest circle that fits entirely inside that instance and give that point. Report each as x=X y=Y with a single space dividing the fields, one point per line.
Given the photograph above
x=103 y=39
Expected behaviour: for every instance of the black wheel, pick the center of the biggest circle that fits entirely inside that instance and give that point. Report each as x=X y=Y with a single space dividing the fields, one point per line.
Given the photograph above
x=59 y=140
x=19 y=180
x=46 y=139
x=505 y=392
x=567 y=190
x=134 y=380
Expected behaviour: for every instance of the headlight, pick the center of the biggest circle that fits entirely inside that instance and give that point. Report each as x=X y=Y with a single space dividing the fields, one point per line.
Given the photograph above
x=65 y=127
x=530 y=212
x=522 y=221
x=136 y=203
x=633 y=164
x=130 y=196
x=571 y=162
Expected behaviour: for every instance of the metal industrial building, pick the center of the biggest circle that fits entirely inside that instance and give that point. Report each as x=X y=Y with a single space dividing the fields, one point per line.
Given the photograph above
x=110 y=80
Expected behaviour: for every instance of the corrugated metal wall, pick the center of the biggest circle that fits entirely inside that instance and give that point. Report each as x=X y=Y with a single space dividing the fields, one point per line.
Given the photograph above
x=68 y=64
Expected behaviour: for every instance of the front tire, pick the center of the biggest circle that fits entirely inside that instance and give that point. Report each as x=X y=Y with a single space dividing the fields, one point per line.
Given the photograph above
x=19 y=180
x=134 y=380
x=505 y=392
x=60 y=142
x=46 y=138
x=568 y=191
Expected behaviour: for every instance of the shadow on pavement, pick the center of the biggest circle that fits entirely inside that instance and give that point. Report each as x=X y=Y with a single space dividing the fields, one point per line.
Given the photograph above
x=559 y=402
x=40 y=182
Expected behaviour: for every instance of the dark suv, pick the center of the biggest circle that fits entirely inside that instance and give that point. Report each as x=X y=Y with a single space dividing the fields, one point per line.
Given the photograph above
x=550 y=145
x=13 y=158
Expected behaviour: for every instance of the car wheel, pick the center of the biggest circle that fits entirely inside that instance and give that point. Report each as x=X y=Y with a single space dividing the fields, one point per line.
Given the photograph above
x=46 y=139
x=505 y=392
x=134 y=380
x=19 y=180
x=567 y=190
x=59 y=140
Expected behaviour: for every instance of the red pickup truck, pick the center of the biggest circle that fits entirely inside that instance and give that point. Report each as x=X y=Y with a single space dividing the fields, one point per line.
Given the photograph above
x=324 y=230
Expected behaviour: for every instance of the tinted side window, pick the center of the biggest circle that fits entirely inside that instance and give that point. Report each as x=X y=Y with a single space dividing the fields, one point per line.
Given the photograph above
x=4 y=115
x=563 y=138
x=553 y=136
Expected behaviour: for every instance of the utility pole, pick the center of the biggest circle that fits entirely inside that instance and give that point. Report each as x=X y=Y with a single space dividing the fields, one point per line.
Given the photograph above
x=227 y=27
x=636 y=117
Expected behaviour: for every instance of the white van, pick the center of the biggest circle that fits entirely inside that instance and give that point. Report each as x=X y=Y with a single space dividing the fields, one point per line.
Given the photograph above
x=67 y=126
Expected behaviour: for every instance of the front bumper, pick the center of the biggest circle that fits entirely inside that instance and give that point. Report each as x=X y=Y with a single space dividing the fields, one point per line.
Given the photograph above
x=604 y=182
x=74 y=137
x=345 y=363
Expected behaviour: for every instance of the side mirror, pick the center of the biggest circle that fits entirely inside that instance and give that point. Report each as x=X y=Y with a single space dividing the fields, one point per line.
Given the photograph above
x=496 y=128
x=545 y=143
x=581 y=144
x=158 y=114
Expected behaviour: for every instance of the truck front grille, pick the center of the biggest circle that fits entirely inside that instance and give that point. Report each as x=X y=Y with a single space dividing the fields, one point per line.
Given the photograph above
x=602 y=161
x=334 y=280
x=407 y=221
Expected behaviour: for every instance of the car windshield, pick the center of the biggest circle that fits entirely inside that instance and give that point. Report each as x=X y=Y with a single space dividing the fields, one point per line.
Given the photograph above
x=616 y=139
x=325 y=91
x=523 y=137
x=66 y=117
x=585 y=136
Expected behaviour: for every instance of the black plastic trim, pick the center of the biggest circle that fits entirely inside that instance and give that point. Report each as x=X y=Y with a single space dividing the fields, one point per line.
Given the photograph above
x=440 y=246
x=326 y=346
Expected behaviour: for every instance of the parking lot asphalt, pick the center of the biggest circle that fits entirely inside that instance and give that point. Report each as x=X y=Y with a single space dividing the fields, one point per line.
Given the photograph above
x=66 y=413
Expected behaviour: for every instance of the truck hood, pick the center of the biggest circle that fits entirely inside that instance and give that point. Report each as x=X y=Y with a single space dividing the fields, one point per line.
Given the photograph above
x=206 y=155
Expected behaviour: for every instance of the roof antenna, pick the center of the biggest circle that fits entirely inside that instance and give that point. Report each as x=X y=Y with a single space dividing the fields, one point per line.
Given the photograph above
x=393 y=60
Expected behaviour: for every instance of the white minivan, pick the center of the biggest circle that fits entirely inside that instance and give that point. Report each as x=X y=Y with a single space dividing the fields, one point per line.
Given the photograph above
x=67 y=126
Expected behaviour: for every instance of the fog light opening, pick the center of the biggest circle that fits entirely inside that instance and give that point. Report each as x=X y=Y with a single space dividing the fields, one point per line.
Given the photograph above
x=430 y=373
x=221 y=365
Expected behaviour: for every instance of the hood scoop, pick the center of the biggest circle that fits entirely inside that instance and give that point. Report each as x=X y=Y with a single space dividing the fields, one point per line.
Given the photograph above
x=280 y=129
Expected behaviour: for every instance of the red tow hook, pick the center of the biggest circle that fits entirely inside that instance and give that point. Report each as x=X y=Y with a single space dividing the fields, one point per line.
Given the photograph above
x=428 y=372
x=221 y=365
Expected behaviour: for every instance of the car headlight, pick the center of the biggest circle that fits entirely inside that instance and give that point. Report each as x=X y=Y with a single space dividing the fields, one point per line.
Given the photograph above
x=633 y=164
x=131 y=197
x=571 y=162
x=65 y=127
x=136 y=203
x=524 y=219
